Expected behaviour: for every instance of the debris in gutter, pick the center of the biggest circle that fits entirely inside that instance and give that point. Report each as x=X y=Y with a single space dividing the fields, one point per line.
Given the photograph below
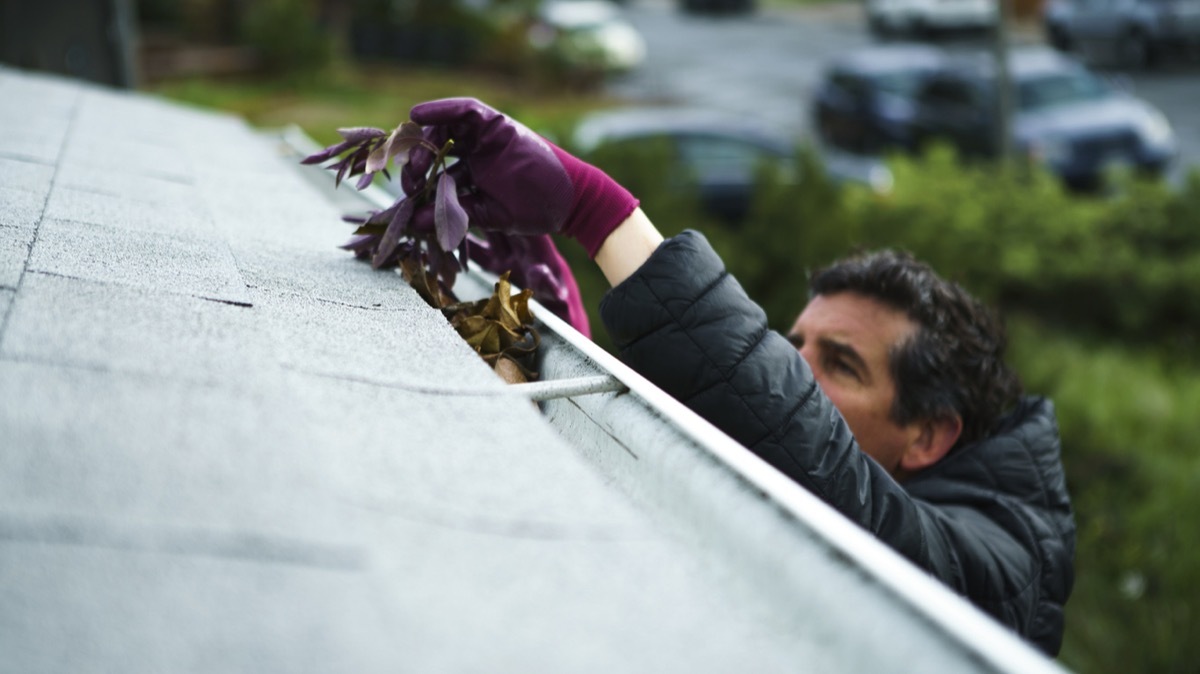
x=500 y=329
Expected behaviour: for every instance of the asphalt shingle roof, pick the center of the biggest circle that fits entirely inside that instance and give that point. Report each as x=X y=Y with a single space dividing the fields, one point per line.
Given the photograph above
x=227 y=446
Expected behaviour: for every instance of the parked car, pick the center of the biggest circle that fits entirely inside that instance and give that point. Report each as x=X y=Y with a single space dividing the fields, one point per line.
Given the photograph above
x=718 y=6
x=1136 y=33
x=864 y=102
x=1066 y=117
x=587 y=35
x=924 y=17
x=715 y=154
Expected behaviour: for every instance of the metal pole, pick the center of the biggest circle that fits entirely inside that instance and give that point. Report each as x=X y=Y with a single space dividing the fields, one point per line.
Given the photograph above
x=568 y=388
x=1004 y=94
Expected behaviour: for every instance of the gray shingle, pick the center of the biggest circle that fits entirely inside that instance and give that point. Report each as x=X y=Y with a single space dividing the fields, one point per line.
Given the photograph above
x=414 y=349
x=274 y=206
x=16 y=174
x=48 y=95
x=161 y=262
x=117 y=181
x=185 y=214
x=325 y=273
x=6 y=298
x=293 y=454
x=129 y=154
x=327 y=621
x=22 y=209
x=34 y=134
x=14 y=251
x=107 y=327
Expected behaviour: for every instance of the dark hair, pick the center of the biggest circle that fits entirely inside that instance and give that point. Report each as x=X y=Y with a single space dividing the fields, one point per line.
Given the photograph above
x=955 y=362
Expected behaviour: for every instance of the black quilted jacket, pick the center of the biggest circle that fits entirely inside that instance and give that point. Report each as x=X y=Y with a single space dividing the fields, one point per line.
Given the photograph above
x=992 y=520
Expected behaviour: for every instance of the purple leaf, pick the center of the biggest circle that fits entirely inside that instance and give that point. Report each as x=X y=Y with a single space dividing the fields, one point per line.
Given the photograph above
x=449 y=218
x=449 y=270
x=404 y=138
x=391 y=237
x=377 y=160
x=361 y=244
x=358 y=161
x=328 y=153
x=358 y=134
x=385 y=216
x=464 y=251
x=365 y=181
x=434 y=262
x=341 y=173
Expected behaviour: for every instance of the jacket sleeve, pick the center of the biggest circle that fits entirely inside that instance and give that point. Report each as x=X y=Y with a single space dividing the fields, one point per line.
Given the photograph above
x=685 y=324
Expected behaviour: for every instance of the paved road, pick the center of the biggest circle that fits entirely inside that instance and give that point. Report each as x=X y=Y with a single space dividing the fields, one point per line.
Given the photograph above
x=767 y=64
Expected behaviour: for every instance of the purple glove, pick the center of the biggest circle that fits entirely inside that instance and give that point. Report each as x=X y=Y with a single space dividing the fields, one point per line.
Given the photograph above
x=535 y=264
x=513 y=180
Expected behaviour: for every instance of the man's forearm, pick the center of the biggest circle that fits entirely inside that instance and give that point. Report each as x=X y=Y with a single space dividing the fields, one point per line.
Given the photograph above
x=629 y=245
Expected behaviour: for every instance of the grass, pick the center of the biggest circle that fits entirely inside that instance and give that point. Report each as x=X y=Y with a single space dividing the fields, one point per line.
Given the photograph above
x=378 y=96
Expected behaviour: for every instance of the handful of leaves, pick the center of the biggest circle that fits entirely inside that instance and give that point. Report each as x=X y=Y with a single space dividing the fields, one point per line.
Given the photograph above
x=500 y=328
x=386 y=235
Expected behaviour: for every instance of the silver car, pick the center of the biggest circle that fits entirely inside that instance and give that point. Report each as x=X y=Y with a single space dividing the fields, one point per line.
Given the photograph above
x=921 y=17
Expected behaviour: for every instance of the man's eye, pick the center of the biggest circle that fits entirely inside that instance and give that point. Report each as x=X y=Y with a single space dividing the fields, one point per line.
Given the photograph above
x=839 y=365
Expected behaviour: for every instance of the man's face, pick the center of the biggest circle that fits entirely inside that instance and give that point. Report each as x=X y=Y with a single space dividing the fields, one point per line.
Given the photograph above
x=846 y=339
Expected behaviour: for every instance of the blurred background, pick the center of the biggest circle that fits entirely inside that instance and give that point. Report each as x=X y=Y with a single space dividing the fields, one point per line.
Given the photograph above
x=1042 y=154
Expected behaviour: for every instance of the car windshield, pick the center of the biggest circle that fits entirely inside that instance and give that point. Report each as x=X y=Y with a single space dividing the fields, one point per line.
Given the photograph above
x=901 y=83
x=1046 y=91
x=714 y=158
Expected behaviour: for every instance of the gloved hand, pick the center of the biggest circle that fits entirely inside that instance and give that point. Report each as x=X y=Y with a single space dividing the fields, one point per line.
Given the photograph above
x=512 y=180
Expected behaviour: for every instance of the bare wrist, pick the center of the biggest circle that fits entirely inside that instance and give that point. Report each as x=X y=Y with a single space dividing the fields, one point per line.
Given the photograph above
x=627 y=247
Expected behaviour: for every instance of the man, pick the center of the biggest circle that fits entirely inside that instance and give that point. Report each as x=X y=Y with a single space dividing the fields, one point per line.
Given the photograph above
x=891 y=401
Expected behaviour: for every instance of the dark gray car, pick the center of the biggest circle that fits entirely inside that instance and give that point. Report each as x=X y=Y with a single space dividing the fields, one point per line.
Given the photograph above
x=1136 y=33
x=1066 y=118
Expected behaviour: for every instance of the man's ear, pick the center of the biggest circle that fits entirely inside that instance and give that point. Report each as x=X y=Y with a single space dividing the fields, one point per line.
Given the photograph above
x=936 y=437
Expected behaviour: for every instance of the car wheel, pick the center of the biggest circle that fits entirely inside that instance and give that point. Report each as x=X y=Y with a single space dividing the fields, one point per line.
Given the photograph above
x=1057 y=37
x=1135 y=50
x=878 y=28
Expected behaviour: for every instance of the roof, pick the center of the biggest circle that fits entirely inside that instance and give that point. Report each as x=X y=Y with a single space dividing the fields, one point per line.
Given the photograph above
x=882 y=59
x=228 y=446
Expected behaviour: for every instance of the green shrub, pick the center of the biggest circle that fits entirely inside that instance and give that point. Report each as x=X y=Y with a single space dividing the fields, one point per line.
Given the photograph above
x=286 y=35
x=1130 y=433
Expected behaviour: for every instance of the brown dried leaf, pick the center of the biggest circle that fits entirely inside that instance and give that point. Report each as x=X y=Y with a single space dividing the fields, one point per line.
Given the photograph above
x=510 y=370
x=493 y=327
x=425 y=283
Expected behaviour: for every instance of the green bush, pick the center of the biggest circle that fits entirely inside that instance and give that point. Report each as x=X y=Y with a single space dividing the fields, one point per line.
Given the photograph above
x=1103 y=295
x=286 y=35
x=1130 y=433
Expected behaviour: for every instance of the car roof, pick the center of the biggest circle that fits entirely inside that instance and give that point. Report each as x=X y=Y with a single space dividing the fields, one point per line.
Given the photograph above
x=1023 y=62
x=577 y=13
x=639 y=122
x=888 y=58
